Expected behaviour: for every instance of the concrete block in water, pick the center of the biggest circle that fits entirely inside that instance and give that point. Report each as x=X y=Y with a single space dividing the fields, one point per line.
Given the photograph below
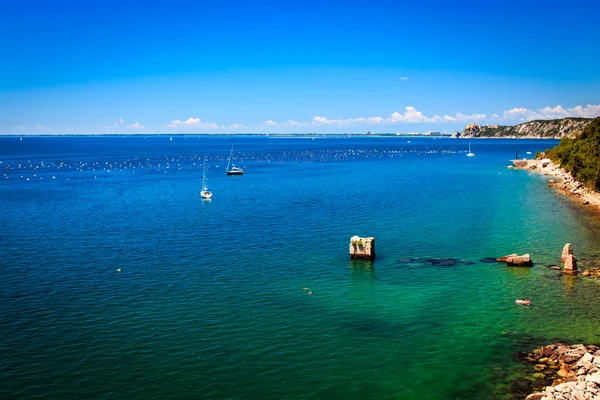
x=362 y=247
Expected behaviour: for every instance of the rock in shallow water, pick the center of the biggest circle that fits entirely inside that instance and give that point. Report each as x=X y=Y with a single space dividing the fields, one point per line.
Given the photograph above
x=514 y=259
x=442 y=262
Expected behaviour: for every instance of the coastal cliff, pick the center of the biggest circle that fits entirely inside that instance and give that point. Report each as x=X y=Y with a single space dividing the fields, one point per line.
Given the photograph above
x=539 y=129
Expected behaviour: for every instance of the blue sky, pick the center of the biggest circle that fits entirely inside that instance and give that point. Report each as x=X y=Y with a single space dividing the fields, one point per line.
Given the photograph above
x=227 y=66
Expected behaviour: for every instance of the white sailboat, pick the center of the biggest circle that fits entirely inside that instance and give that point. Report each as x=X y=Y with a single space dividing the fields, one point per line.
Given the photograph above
x=469 y=154
x=232 y=169
x=205 y=193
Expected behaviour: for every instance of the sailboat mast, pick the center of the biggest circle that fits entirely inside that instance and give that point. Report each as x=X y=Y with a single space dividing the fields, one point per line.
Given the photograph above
x=204 y=174
x=230 y=155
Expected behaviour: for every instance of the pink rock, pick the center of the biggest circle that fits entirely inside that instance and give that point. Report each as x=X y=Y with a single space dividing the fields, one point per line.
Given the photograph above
x=568 y=249
x=570 y=263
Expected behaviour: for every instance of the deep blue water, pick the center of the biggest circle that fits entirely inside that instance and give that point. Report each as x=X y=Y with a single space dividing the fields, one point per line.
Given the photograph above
x=118 y=281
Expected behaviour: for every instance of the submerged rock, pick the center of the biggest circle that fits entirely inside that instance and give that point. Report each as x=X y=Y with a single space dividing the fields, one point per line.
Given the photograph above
x=442 y=262
x=488 y=260
x=406 y=260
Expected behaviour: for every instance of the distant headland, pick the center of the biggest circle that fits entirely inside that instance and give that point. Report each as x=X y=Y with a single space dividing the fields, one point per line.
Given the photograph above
x=538 y=129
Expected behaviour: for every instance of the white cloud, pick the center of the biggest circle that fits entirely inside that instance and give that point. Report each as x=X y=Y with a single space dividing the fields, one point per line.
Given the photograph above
x=135 y=125
x=194 y=123
x=117 y=127
x=369 y=120
x=515 y=112
x=472 y=117
x=321 y=120
x=525 y=114
x=291 y=122
x=318 y=120
x=403 y=78
x=120 y=122
x=412 y=115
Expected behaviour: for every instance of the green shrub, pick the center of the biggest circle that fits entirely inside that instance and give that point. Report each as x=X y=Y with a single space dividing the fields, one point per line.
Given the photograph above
x=581 y=155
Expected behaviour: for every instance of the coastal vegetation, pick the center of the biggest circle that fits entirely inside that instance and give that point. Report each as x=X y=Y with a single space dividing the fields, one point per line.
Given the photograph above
x=539 y=129
x=581 y=155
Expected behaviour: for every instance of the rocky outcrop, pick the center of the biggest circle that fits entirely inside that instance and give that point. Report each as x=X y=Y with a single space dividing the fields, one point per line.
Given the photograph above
x=539 y=129
x=570 y=264
x=569 y=260
x=565 y=372
x=567 y=250
x=514 y=259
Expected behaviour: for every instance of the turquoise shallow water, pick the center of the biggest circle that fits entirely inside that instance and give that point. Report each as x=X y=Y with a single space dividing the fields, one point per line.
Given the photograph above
x=208 y=301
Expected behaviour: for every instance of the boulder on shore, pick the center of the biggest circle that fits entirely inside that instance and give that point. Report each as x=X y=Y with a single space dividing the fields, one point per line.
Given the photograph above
x=572 y=371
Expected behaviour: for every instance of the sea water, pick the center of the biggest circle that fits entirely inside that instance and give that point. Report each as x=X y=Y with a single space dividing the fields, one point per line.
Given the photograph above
x=118 y=281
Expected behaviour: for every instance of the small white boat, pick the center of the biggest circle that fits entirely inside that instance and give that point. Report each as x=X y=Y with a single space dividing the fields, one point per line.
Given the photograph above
x=205 y=193
x=232 y=169
x=469 y=154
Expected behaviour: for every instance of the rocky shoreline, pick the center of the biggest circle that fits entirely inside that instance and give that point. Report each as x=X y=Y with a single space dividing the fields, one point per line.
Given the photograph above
x=565 y=372
x=564 y=181
x=561 y=371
